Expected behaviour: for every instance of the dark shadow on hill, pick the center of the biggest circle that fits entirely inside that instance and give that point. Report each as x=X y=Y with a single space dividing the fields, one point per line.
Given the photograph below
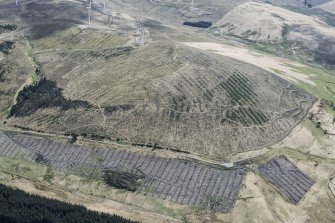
x=7 y=6
x=41 y=31
x=44 y=94
x=200 y=24
x=155 y=25
x=325 y=54
x=47 y=18
x=51 y=10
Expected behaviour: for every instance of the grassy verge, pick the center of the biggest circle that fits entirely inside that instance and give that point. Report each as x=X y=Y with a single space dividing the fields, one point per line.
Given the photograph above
x=161 y=207
x=330 y=110
x=35 y=78
x=5 y=114
x=281 y=48
x=324 y=81
x=295 y=155
x=316 y=132
x=22 y=168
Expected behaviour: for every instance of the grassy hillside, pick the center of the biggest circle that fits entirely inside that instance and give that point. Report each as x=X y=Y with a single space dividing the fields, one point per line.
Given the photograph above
x=100 y=81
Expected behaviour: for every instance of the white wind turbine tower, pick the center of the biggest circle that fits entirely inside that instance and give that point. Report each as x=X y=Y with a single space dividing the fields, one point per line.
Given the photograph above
x=89 y=13
x=192 y=5
x=17 y=2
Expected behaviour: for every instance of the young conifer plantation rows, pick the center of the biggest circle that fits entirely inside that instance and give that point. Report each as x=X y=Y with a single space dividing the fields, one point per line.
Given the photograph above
x=180 y=181
x=176 y=180
x=287 y=178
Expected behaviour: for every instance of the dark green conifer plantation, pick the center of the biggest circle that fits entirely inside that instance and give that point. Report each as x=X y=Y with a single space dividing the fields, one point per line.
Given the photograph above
x=17 y=206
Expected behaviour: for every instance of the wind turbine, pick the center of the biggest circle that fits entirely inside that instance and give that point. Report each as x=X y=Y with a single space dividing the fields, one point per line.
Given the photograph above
x=17 y=2
x=89 y=13
x=192 y=6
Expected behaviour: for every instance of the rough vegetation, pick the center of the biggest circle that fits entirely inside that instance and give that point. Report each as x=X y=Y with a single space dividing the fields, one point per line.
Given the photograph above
x=183 y=99
x=4 y=70
x=156 y=94
x=110 y=53
x=178 y=99
x=15 y=69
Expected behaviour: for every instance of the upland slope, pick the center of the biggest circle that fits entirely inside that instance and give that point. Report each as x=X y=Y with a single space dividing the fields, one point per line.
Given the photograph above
x=298 y=3
x=328 y=7
x=16 y=66
x=185 y=99
x=174 y=13
x=160 y=93
x=302 y=35
x=139 y=82
x=261 y=21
